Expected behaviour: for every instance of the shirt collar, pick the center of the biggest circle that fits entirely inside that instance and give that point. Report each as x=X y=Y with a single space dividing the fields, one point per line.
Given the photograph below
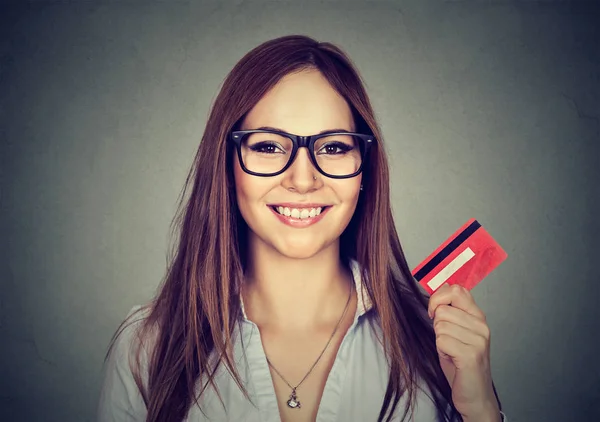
x=364 y=303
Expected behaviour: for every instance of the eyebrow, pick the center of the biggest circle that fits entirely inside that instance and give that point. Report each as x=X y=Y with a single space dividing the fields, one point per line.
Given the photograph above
x=320 y=133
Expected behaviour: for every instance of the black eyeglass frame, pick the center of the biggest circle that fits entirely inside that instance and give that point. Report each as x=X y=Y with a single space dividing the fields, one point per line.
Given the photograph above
x=298 y=141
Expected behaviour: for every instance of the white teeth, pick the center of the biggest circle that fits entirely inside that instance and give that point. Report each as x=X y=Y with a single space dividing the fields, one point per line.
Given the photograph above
x=300 y=213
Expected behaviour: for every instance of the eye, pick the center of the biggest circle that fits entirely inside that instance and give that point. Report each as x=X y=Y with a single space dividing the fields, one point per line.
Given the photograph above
x=264 y=143
x=267 y=148
x=334 y=148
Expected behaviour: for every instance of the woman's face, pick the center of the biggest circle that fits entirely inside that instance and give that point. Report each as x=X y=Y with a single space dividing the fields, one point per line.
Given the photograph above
x=302 y=104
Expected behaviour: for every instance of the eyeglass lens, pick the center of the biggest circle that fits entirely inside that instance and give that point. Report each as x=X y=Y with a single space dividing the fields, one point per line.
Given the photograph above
x=337 y=155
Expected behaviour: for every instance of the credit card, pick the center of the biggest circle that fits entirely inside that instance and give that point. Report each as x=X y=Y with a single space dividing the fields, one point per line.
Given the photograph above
x=465 y=258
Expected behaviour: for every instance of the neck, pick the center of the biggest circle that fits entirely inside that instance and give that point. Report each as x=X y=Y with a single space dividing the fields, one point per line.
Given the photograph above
x=287 y=293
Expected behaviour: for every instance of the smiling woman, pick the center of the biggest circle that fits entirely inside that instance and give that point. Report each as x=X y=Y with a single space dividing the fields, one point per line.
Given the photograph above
x=298 y=179
x=289 y=297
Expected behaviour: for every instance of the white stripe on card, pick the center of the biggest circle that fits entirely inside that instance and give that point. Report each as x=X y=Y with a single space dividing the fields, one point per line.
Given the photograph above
x=441 y=277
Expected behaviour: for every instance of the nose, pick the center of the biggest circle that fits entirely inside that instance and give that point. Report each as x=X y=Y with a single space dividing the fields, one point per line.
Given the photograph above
x=299 y=176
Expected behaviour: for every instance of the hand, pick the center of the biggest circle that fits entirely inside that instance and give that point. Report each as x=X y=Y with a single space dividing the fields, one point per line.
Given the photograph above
x=463 y=346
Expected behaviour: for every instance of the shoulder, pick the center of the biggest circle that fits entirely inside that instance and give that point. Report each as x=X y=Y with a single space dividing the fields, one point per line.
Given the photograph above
x=128 y=338
x=120 y=397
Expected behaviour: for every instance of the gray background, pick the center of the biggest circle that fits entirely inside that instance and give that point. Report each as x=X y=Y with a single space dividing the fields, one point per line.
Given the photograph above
x=489 y=110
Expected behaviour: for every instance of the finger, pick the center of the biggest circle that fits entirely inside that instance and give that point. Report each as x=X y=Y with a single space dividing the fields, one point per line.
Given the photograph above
x=457 y=296
x=462 y=334
x=462 y=354
x=459 y=317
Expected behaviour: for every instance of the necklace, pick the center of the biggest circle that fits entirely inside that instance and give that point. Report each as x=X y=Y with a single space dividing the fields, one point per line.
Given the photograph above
x=293 y=401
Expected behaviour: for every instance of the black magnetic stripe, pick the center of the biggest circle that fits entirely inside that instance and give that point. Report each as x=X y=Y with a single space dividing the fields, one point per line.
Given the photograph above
x=448 y=249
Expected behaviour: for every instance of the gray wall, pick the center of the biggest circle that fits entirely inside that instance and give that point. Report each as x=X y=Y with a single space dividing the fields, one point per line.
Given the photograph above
x=489 y=110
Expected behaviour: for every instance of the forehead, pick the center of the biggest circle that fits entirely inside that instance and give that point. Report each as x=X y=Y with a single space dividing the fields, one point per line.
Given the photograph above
x=301 y=103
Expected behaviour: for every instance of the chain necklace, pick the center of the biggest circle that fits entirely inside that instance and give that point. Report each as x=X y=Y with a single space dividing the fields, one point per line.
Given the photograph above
x=293 y=401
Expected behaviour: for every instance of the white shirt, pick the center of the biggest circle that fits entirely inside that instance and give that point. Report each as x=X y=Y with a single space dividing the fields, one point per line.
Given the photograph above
x=353 y=392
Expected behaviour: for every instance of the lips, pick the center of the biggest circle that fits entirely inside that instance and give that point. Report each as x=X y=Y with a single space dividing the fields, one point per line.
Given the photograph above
x=299 y=212
x=299 y=222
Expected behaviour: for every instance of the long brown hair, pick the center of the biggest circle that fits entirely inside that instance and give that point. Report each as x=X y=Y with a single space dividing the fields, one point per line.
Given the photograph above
x=193 y=316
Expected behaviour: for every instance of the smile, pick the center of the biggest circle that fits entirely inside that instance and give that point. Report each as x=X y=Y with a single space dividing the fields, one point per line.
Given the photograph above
x=299 y=217
x=300 y=213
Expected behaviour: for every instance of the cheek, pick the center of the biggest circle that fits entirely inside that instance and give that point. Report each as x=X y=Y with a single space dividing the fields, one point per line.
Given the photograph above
x=249 y=189
x=242 y=186
x=349 y=191
x=238 y=176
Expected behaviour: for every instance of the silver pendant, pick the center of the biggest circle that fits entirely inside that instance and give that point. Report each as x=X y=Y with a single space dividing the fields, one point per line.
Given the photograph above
x=293 y=401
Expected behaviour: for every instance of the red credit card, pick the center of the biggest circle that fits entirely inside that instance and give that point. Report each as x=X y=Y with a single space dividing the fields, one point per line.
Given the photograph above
x=465 y=258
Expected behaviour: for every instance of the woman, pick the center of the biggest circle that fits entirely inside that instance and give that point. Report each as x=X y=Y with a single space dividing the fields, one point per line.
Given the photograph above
x=289 y=297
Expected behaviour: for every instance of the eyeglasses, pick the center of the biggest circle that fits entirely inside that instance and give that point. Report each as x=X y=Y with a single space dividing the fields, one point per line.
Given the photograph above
x=265 y=153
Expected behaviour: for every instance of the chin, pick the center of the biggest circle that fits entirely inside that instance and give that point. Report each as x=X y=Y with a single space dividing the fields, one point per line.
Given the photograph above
x=306 y=254
x=299 y=250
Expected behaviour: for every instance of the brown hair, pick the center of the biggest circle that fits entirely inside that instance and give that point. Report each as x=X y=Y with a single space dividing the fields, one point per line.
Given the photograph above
x=197 y=306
